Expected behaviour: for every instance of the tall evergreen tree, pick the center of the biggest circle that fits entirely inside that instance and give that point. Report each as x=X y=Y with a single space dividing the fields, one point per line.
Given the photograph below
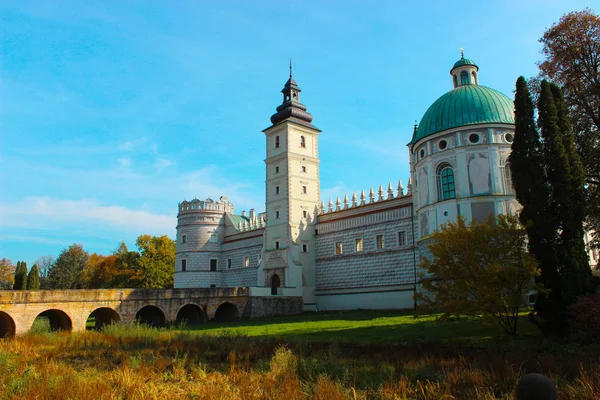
x=532 y=191
x=20 y=276
x=33 y=279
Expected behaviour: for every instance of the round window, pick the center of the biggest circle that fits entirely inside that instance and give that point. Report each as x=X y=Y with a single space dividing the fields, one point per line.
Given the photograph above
x=422 y=153
x=509 y=137
x=443 y=144
x=474 y=138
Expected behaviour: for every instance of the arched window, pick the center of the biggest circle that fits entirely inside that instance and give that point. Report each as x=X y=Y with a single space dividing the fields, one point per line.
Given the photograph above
x=302 y=141
x=455 y=81
x=446 y=183
x=464 y=78
x=474 y=75
x=507 y=179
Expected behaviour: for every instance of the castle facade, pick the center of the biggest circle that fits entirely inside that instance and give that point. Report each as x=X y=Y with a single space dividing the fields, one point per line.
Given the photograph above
x=361 y=251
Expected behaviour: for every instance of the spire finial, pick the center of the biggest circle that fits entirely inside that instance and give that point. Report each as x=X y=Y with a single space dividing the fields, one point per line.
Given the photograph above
x=290 y=67
x=462 y=52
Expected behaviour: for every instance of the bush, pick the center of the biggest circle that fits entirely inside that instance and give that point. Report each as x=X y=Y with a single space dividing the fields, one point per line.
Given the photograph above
x=584 y=318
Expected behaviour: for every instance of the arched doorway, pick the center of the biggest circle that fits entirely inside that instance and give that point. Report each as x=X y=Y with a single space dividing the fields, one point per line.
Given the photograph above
x=101 y=317
x=191 y=314
x=7 y=325
x=150 y=315
x=52 y=320
x=275 y=284
x=227 y=312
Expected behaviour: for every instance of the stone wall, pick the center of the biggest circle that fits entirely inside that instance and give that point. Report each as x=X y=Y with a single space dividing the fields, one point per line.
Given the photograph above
x=260 y=307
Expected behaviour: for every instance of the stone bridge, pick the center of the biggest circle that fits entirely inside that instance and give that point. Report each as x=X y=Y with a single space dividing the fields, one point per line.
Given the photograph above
x=70 y=309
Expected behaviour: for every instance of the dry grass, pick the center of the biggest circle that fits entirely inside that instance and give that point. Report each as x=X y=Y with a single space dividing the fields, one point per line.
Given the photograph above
x=143 y=363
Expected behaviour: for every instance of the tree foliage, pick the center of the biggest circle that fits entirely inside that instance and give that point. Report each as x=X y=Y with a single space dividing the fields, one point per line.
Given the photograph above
x=7 y=274
x=157 y=258
x=33 y=279
x=572 y=60
x=479 y=270
x=44 y=264
x=20 y=281
x=67 y=270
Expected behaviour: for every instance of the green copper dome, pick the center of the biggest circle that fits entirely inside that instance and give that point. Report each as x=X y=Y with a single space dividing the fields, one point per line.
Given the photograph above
x=464 y=61
x=465 y=105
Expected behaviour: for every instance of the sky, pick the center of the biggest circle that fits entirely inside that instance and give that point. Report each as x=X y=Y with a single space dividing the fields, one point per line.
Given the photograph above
x=113 y=112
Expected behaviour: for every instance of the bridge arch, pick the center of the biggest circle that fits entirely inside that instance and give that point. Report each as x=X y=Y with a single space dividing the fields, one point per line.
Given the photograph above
x=104 y=316
x=227 y=312
x=7 y=325
x=58 y=319
x=191 y=314
x=151 y=315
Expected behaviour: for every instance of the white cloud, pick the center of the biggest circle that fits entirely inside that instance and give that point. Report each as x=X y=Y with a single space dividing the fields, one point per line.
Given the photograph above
x=132 y=144
x=49 y=213
x=125 y=161
x=162 y=163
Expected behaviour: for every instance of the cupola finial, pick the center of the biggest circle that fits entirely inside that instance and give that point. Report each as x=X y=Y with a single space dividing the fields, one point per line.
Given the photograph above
x=462 y=52
x=290 y=67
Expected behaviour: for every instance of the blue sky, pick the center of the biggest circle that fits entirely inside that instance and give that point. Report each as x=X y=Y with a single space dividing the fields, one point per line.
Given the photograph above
x=113 y=112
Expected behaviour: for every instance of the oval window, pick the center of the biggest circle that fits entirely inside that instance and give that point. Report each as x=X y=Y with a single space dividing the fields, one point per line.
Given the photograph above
x=422 y=153
x=474 y=138
x=509 y=137
x=443 y=144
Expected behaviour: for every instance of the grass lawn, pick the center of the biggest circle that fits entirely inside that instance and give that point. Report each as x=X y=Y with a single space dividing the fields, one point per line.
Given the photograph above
x=365 y=327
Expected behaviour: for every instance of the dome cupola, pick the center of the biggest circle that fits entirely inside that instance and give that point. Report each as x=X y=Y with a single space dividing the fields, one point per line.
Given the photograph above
x=291 y=106
x=464 y=71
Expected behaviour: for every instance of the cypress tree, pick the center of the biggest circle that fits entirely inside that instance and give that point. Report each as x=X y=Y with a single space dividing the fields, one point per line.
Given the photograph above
x=20 y=276
x=577 y=274
x=529 y=181
x=24 y=274
x=33 y=279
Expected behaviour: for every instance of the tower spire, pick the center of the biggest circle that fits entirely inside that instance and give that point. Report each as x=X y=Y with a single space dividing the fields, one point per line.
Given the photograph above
x=290 y=67
x=462 y=54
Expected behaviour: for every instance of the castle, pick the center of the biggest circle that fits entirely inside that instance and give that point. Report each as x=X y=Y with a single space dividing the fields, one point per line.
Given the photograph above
x=361 y=251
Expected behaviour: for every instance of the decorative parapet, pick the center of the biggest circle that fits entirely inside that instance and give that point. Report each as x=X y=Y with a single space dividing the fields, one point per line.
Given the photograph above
x=252 y=224
x=362 y=200
x=222 y=205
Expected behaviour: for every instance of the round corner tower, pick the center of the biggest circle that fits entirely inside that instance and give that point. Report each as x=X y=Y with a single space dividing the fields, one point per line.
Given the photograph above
x=200 y=233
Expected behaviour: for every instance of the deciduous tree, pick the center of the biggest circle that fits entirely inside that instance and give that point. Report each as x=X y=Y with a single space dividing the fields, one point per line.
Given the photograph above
x=7 y=274
x=157 y=258
x=66 y=272
x=479 y=270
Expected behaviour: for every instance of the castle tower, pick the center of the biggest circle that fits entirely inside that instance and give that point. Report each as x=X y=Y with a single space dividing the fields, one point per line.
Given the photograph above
x=458 y=154
x=292 y=197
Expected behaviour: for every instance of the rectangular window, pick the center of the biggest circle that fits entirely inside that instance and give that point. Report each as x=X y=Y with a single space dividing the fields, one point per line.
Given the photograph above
x=213 y=285
x=304 y=189
x=276 y=170
x=358 y=245
x=303 y=169
x=276 y=142
x=338 y=248
x=246 y=261
x=213 y=264
x=184 y=239
x=183 y=265
x=276 y=245
x=229 y=263
x=276 y=214
x=304 y=214
x=304 y=248
x=276 y=189
x=401 y=238
x=379 y=241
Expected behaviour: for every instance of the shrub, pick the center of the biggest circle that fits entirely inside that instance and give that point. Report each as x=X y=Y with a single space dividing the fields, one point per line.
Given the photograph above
x=585 y=318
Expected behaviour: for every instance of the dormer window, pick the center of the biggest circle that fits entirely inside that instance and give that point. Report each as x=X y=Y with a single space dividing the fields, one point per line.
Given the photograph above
x=302 y=141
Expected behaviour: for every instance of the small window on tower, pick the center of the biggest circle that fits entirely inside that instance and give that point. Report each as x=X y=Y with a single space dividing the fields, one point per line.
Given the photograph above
x=276 y=189
x=302 y=141
x=304 y=169
x=183 y=265
x=338 y=248
x=276 y=170
x=304 y=248
x=276 y=142
x=246 y=261
x=304 y=214
x=277 y=245
x=276 y=214
x=304 y=190
x=184 y=239
x=229 y=263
